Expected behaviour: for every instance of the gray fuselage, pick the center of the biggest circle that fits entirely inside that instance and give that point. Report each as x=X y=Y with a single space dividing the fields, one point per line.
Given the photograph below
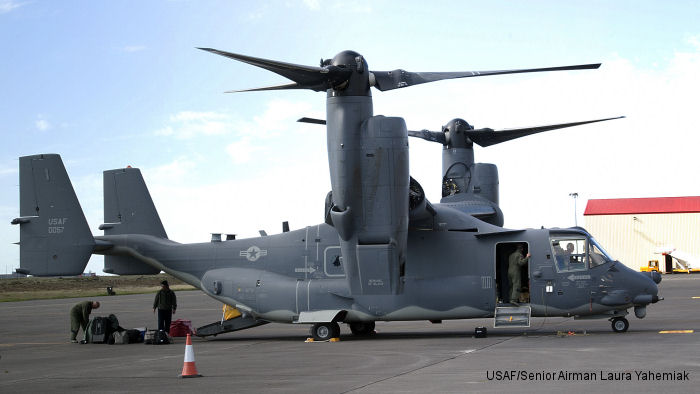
x=449 y=274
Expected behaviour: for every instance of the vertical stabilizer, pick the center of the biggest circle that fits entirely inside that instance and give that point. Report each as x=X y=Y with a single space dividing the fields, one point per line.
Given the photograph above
x=55 y=238
x=129 y=209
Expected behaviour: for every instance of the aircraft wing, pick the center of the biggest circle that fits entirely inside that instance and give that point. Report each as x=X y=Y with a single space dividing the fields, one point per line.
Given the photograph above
x=473 y=208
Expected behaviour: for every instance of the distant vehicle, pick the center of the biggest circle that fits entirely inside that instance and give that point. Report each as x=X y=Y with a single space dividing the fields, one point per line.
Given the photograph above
x=384 y=252
x=681 y=261
x=653 y=265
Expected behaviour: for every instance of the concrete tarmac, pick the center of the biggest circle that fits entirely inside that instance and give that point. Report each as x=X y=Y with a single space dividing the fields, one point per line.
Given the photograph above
x=403 y=357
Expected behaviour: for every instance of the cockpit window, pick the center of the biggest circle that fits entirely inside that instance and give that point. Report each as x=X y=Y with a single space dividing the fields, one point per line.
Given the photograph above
x=569 y=253
x=598 y=254
x=577 y=253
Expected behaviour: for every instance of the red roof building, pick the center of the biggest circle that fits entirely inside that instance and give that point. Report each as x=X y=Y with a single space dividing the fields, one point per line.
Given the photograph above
x=631 y=206
x=639 y=230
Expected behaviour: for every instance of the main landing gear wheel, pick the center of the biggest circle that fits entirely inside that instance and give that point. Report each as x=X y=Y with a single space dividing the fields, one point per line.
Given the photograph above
x=325 y=331
x=362 y=329
x=620 y=324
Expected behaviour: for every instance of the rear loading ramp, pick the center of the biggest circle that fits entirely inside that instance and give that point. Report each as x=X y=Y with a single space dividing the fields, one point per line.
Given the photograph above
x=230 y=325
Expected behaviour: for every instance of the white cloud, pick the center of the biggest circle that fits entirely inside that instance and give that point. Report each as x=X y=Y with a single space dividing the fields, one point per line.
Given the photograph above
x=189 y=124
x=279 y=119
x=279 y=116
x=8 y=171
x=192 y=116
x=312 y=4
x=42 y=124
x=694 y=41
x=134 y=48
x=9 y=5
x=176 y=172
x=334 y=6
x=241 y=206
x=353 y=7
x=286 y=177
x=258 y=13
x=165 y=131
x=242 y=150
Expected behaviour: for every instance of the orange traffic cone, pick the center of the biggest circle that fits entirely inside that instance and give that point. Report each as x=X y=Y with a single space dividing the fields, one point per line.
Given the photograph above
x=189 y=370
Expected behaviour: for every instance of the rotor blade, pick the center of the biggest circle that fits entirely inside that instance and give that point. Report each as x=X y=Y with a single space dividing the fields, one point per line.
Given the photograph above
x=487 y=137
x=287 y=70
x=276 y=87
x=434 y=136
x=311 y=120
x=388 y=80
x=306 y=77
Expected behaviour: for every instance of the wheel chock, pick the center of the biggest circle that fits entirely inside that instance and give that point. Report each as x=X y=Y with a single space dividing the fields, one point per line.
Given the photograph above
x=308 y=340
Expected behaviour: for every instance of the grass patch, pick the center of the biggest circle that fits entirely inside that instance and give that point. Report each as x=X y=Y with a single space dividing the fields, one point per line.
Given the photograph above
x=32 y=288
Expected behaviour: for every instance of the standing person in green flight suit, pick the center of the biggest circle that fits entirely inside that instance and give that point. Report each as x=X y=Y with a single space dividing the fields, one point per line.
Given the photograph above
x=166 y=303
x=80 y=317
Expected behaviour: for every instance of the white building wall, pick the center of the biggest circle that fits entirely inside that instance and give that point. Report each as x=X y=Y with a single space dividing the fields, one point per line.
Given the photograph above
x=633 y=239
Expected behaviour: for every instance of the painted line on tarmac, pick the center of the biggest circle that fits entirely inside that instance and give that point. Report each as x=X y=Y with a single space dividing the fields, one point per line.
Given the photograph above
x=676 y=332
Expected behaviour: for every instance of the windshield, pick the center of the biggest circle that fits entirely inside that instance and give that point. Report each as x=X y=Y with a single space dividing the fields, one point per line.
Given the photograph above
x=598 y=254
x=577 y=253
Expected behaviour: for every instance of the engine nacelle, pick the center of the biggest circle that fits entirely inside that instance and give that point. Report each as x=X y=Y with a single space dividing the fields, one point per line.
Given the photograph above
x=485 y=181
x=370 y=181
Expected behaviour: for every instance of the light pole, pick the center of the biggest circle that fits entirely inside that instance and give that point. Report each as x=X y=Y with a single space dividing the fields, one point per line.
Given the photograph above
x=574 y=196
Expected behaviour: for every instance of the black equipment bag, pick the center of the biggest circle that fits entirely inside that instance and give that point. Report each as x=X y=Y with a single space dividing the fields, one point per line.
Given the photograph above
x=97 y=330
x=134 y=336
x=161 y=338
x=157 y=337
x=149 y=337
x=113 y=324
x=119 y=338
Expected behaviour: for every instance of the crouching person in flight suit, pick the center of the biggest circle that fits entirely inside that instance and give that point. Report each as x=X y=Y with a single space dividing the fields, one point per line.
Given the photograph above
x=515 y=261
x=80 y=317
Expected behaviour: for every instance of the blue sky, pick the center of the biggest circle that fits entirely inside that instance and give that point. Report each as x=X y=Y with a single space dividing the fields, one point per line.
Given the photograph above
x=110 y=84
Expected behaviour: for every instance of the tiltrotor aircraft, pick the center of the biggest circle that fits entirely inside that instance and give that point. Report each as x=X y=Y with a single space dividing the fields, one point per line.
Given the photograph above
x=384 y=252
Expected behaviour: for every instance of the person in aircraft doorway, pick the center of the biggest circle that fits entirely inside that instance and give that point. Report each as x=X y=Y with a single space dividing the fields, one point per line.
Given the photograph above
x=515 y=261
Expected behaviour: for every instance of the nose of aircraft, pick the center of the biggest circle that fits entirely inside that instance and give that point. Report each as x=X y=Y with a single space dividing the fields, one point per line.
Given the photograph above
x=644 y=290
x=632 y=287
x=649 y=294
x=643 y=287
